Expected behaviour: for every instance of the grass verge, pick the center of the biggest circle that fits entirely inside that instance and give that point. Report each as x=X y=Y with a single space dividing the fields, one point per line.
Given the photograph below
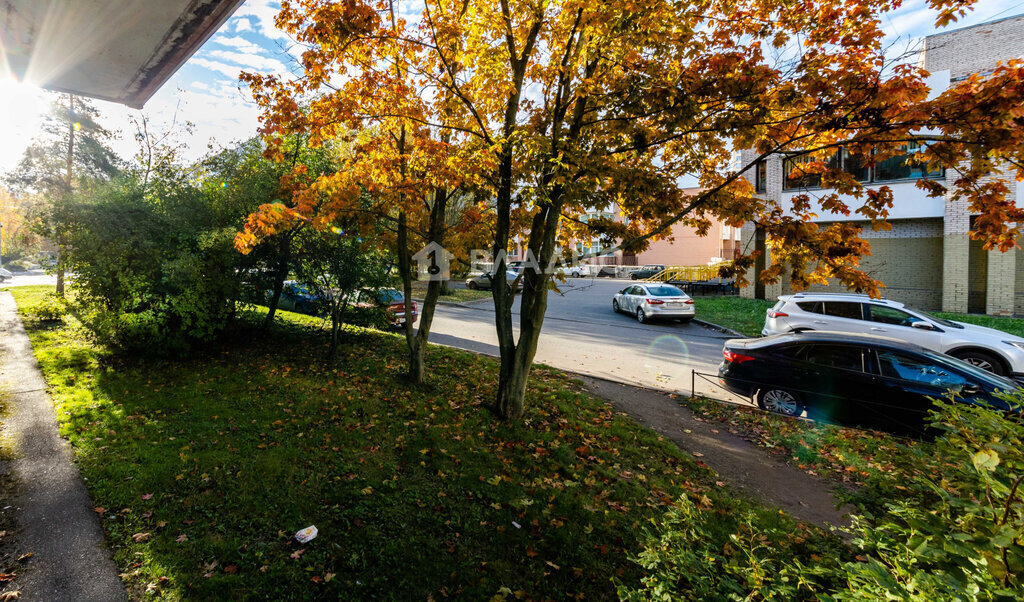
x=868 y=464
x=455 y=295
x=203 y=468
x=739 y=314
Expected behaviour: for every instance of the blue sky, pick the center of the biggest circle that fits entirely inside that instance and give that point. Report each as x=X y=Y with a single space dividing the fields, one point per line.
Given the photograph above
x=206 y=91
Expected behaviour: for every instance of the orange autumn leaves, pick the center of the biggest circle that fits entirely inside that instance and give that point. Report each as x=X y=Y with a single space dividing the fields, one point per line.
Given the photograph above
x=606 y=107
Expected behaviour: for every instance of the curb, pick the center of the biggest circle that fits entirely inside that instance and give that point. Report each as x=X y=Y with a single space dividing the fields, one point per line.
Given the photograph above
x=466 y=304
x=723 y=329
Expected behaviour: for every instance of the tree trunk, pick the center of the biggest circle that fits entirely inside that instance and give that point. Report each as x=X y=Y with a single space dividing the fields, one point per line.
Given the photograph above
x=280 y=275
x=60 y=267
x=332 y=354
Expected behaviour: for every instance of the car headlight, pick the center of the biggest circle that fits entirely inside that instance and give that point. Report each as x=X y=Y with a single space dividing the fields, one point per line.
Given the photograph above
x=1017 y=344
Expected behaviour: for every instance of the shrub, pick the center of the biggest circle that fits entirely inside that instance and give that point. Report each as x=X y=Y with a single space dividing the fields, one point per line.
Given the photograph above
x=964 y=541
x=20 y=265
x=50 y=309
x=702 y=553
x=957 y=535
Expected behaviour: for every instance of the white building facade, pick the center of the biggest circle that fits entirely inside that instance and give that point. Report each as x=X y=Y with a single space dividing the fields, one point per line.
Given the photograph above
x=927 y=259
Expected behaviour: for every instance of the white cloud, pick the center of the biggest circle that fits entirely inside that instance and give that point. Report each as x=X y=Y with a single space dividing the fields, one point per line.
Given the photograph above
x=243 y=25
x=263 y=12
x=242 y=44
x=231 y=71
x=253 y=61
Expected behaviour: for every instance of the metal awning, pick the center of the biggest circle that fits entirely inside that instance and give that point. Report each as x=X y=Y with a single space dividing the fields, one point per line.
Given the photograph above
x=116 y=50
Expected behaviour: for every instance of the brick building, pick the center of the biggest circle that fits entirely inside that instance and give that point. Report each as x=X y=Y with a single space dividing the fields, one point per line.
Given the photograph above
x=927 y=260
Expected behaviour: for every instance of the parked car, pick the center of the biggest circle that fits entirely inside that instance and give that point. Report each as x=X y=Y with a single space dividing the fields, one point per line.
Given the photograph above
x=298 y=298
x=654 y=301
x=391 y=300
x=646 y=271
x=851 y=379
x=986 y=348
x=5 y=275
x=571 y=271
x=483 y=281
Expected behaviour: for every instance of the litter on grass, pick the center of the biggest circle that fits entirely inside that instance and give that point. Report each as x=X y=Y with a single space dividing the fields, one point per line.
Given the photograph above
x=307 y=534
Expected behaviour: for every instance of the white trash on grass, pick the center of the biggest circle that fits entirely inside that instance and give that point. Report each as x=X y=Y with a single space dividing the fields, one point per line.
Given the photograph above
x=307 y=534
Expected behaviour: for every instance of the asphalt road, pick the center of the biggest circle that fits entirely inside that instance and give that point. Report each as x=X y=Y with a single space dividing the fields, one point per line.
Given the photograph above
x=30 y=278
x=582 y=334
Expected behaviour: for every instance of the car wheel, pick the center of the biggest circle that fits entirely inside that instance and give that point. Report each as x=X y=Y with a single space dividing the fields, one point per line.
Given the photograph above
x=632 y=276
x=779 y=401
x=640 y=315
x=615 y=305
x=578 y=274
x=980 y=359
x=472 y=285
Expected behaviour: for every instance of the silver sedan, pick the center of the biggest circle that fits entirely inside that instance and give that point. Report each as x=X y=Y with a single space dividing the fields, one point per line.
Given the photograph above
x=654 y=301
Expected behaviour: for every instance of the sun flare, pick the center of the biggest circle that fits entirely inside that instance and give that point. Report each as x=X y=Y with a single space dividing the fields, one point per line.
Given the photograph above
x=21 y=110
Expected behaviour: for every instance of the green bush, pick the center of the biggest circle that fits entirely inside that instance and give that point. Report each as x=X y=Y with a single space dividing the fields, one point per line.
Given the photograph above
x=50 y=309
x=957 y=535
x=155 y=269
x=20 y=265
x=963 y=541
x=702 y=553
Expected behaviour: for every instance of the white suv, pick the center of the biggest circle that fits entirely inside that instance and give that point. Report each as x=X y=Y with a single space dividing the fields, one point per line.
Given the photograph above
x=987 y=348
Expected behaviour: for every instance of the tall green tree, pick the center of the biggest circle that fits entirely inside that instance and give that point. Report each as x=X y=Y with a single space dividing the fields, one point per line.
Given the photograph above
x=72 y=153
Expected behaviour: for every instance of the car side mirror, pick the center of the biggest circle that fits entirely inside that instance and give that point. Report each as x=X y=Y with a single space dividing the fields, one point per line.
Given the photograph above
x=922 y=325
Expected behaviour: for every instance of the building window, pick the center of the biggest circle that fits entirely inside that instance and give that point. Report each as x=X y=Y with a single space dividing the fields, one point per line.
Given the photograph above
x=900 y=167
x=761 y=176
x=904 y=166
x=795 y=176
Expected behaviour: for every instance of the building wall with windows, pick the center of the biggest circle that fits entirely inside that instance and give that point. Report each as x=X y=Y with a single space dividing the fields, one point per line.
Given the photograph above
x=927 y=259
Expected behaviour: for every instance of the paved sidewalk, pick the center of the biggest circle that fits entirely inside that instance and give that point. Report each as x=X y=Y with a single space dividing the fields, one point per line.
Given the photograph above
x=71 y=560
x=738 y=462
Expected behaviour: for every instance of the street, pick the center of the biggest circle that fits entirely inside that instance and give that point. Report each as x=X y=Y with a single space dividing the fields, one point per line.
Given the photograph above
x=30 y=278
x=582 y=334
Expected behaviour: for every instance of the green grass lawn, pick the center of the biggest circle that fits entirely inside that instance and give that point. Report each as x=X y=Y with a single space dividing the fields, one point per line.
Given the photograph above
x=455 y=295
x=742 y=315
x=203 y=468
x=1014 y=326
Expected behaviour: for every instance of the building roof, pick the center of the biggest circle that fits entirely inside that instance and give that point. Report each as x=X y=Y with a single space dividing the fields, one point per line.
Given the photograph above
x=116 y=50
x=965 y=27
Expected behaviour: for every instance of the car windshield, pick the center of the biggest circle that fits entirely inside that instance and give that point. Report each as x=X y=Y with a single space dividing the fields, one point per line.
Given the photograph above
x=664 y=291
x=389 y=295
x=983 y=376
x=940 y=321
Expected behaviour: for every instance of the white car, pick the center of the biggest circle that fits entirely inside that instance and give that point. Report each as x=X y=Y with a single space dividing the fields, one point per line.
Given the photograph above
x=987 y=348
x=654 y=301
x=573 y=271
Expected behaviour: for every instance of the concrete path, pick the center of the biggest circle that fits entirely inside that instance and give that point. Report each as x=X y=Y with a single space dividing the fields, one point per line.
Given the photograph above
x=71 y=560
x=738 y=462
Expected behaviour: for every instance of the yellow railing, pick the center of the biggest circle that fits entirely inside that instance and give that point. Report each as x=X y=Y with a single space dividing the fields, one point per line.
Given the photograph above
x=687 y=273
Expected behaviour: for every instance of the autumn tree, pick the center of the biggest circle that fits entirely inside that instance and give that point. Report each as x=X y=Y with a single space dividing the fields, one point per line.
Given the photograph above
x=405 y=180
x=559 y=107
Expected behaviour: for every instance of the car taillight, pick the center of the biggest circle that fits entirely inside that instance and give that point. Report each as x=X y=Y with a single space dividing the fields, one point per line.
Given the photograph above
x=736 y=358
x=777 y=314
x=655 y=302
x=688 y=302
